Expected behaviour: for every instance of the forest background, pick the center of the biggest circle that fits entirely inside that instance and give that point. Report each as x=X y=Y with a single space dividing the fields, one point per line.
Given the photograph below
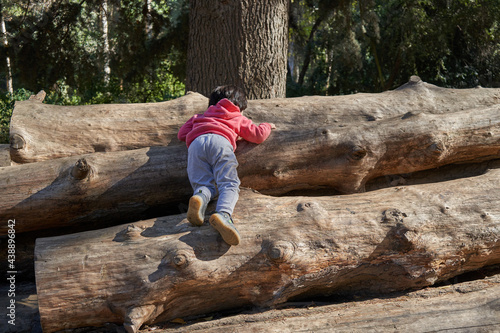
x=134 y=51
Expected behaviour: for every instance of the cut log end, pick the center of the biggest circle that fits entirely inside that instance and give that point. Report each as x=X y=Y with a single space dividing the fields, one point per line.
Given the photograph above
x=357 y=153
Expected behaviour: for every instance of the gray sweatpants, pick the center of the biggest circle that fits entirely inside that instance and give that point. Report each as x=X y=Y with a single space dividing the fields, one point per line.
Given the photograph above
x=212 y=168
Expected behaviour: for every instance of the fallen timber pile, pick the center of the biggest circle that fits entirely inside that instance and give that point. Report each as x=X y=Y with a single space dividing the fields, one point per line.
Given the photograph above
x=143 y=272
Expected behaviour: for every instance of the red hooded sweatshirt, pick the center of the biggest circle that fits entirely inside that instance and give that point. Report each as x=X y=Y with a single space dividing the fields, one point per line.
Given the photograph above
x=224 y=119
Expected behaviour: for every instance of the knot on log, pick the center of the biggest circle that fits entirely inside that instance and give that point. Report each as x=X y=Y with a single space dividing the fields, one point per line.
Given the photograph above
x=81 y=170
x=411 y=114
x=402 y=238
x=132 y=232
x=357 y=153
x=279 y=173
x=303 y=206
x=129 y=233
x=17 y=142
x=323 y=132
x=436 y=148
x=180 y=259
x=393 y=216
x=280 y=251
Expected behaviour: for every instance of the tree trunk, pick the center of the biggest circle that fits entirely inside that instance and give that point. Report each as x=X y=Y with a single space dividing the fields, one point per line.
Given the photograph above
x=238 y=42
x=339 y=159
x=148 y=19
x=105 y=39
x=8 y=67
x=383 y=241
x=40 y=131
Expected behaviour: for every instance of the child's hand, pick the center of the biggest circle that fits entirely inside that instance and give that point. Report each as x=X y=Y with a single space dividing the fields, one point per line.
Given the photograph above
x=273 y=126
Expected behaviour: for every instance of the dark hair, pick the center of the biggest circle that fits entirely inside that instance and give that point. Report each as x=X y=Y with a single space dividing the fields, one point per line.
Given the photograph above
x=233 y=93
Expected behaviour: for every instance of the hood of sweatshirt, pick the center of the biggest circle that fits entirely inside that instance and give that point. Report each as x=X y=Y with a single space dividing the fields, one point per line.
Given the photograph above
x=224 y=109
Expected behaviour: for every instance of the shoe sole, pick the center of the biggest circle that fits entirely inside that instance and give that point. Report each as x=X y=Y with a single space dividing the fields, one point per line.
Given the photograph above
x=228 y=233
x=194 y=211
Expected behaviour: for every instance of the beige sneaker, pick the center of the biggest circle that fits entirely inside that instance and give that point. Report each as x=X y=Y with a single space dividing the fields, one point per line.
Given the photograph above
x=196 y=210
x=223 y=223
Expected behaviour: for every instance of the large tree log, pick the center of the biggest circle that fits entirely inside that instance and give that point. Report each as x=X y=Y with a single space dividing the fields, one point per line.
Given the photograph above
x=25 y=242
x=125 y=185
x=382 y=241
x=458 y=305
x=40 y=131
x=464 y=307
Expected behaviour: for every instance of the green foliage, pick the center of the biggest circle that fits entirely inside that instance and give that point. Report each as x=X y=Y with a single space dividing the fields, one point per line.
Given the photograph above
x=57 y=46
x=54 y=44
x=375 y=45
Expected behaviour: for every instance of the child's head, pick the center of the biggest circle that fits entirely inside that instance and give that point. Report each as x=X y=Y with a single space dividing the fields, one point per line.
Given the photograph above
x=233 y=93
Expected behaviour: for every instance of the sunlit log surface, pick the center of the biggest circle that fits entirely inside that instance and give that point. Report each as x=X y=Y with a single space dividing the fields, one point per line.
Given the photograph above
x=383 y=241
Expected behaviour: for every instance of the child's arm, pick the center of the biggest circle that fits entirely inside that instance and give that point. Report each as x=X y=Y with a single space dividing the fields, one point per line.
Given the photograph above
x=253 y=133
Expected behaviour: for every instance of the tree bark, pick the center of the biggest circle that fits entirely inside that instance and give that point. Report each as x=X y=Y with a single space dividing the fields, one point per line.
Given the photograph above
x=105 y=39
x=454 y=308
x=243 y=43
x=4 y=155
x=25 y=241
x=342 y=160
x=292 y=247
x=39 y=131
x=5 y=42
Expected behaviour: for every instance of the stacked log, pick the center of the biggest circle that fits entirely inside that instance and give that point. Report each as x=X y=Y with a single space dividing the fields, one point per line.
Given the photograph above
x=164 y=268
x=40 y=132
x=112 y=165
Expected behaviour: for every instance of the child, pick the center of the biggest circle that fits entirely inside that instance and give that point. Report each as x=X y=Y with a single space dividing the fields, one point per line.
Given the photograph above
x=211 y=140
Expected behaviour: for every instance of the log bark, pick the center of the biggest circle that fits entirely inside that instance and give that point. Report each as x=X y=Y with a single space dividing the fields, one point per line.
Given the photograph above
x=456 y=308
x=460 y=306
x=4 y=155
x=25 y=242
x=127 y=184
x=40 y=131
x=95 y=190
x=164 y=268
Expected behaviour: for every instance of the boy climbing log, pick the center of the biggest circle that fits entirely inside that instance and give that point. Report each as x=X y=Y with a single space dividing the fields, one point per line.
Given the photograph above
x=211 y=166
x=341 y=159
x=162 y=267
